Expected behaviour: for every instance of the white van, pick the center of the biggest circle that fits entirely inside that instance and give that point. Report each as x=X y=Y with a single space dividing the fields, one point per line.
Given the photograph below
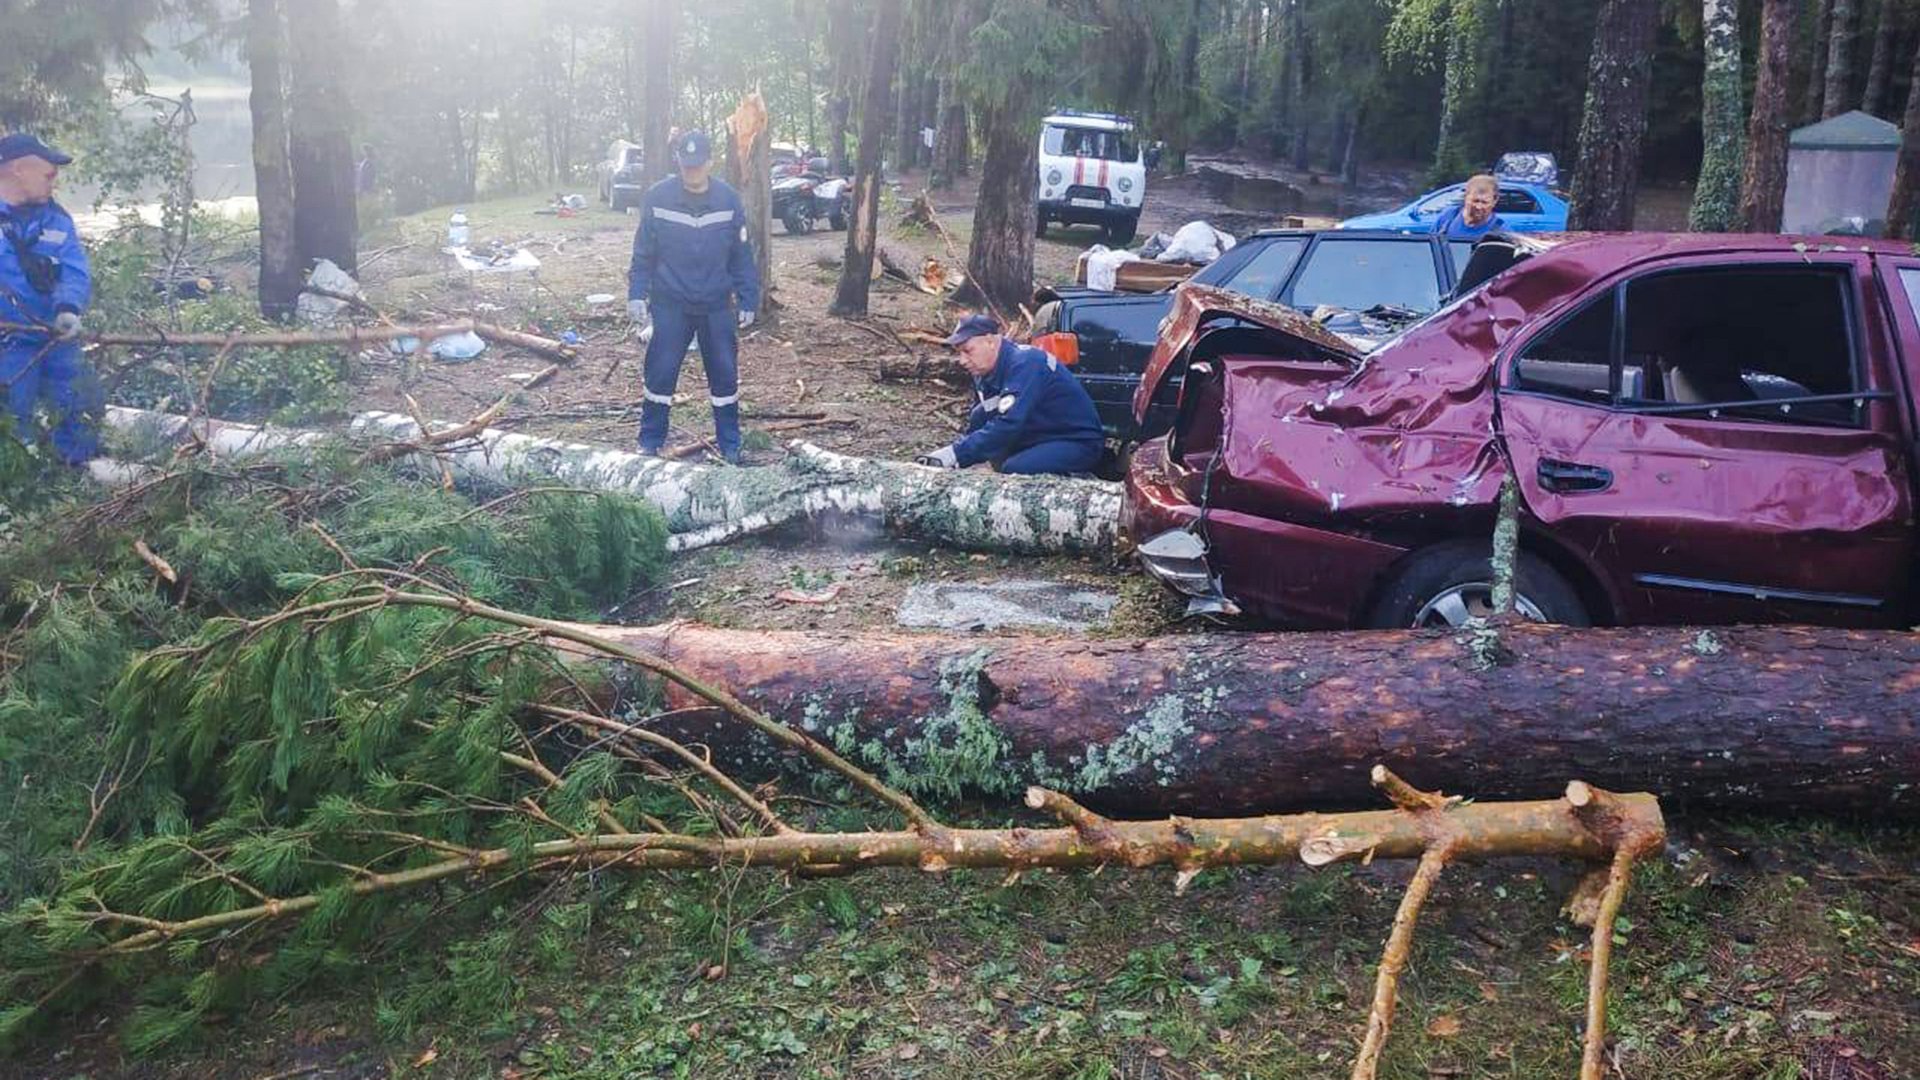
x=1092 y=172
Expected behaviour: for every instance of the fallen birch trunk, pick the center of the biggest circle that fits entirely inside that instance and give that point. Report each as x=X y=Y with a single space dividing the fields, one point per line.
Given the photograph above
x=1775 y=718
x=710 y=504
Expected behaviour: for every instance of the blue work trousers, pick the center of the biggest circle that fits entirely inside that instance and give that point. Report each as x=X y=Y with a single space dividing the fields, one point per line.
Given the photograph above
x=674 y=328
x=59 y=379
x=1058 y=457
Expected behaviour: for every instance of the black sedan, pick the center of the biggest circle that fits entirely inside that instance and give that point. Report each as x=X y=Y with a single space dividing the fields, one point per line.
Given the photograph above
x=1107 y=336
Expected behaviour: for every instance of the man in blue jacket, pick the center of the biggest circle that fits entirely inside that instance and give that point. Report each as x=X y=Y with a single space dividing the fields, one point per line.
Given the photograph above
x=691 y=262
x=1033 y=415
x=44 y=289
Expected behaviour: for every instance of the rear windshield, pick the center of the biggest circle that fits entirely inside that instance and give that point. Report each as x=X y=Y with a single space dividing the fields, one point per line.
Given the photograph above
x=1360 y=274
x=1058 y=141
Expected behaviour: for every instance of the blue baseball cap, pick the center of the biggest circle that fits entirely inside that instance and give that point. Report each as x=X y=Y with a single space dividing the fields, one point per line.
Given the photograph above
x=20 y=144
x=973 y=326
x=692 y=149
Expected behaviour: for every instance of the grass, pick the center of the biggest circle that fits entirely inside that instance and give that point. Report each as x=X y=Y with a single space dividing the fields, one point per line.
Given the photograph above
x=1725 y=970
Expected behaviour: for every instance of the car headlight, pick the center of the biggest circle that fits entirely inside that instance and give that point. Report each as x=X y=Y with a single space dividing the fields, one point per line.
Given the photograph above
x=1053 y=178
x=1126 y=184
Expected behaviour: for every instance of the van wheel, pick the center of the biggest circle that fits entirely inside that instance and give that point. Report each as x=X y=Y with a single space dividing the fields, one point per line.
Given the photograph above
x=1040 y=226
x=1121 y=231
x=1447 y=584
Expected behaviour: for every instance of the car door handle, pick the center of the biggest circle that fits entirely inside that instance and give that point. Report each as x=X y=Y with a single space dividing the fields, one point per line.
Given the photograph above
x=1568 y=477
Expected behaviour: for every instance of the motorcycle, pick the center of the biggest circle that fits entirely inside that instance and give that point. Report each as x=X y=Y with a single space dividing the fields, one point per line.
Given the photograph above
x=799 y=201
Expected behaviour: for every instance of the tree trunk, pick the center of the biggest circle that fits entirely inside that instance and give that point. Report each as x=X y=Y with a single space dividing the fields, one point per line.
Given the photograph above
x=1296 y=80
x=280 y=267
x=1000 y=256
x=1769 y=718
x=1763 y=177
x=1249 y=48
x=656 y=159
x=320 y=149
x=1452 y=156
x=1904 y=207
x=750 y=172
x=967 y=509
x=1716 y=197
x=1886 y=23
x=1606 y=175
x=1839 y=92
x=1817 y=71
x=1350 y=157
x=842 y=37
x=863 y=232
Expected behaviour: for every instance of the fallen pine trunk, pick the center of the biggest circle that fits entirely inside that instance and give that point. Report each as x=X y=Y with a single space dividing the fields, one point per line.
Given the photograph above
x=1773 y=718
x=709 y=504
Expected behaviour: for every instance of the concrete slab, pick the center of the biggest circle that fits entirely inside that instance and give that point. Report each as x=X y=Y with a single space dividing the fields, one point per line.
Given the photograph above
x=1026 y=604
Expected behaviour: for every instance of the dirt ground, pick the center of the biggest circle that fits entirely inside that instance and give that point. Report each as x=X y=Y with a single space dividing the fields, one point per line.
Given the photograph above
x=803 y=375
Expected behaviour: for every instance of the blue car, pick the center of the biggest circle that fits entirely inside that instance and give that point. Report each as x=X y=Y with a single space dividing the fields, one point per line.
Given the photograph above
x=1525 y=206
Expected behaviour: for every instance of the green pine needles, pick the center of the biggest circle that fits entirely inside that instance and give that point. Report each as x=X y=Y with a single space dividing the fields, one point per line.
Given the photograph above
x=173 y=753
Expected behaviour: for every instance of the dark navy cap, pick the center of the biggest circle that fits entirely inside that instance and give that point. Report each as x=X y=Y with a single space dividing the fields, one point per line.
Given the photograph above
x=20 y=144
x=973 y=326
x=692 y=149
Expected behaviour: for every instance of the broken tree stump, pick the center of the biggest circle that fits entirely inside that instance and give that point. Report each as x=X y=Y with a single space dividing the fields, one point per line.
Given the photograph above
x=1769 y=718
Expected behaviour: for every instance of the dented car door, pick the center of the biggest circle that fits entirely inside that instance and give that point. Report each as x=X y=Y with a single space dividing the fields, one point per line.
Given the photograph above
x=1721 y=440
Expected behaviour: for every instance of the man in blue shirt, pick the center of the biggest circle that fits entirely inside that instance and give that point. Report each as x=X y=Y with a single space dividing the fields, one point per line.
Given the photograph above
x=1033 y=416
x=691 y=263
x=1474 y=217
x=45 y=286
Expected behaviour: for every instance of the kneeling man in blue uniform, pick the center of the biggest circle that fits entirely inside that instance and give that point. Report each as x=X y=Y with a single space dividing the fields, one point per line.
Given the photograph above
x=44 y=289
x=691 y=264
x=1033 y=415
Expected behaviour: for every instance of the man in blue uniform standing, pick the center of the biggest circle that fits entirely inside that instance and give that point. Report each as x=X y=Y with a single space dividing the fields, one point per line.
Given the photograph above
x=1033 y=415
x=44 y=289
x=691 y=263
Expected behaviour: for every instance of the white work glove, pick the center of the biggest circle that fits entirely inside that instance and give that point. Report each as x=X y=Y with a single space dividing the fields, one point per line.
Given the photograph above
x=746 y=318
x=66 y=326
x=637 y=311
x=943 y=458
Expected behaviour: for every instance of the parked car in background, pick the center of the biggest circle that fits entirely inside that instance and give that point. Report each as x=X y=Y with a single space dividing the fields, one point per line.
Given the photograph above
x=1107 y=336
x=1524 y=205
x=1701 y=429
x=1091 y=173
x=622 y=183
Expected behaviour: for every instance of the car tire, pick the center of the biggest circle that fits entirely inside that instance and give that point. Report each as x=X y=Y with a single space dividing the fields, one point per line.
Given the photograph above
x=837 y=221
x=1040 y=226
x=797 y=223
x=1122 y=230
x=1441 y=585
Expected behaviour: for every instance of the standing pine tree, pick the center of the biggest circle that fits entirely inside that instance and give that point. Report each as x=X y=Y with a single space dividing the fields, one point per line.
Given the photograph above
x=657 y=89
x=1606 y=175
x=1904 y=207
x=1763 y=179
x=1716 y=198
x=1016 y=57
x=280 y=268
x=326 y=220
x=1839 y=97
x=863 y=231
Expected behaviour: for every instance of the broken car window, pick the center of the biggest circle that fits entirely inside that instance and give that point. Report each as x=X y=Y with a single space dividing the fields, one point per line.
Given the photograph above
x=1748 y=340
x=1574 y=359
x=1911 y=279
x=1360 y=274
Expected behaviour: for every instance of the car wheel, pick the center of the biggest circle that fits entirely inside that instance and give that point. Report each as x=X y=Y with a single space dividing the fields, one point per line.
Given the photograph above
x=1448 y=584
x=1040 y=226
x=1121 y=231
x=797 y=222
x=842 y=211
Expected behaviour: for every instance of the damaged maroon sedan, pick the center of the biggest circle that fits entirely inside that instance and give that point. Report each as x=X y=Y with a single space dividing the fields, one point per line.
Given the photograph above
x=1702 y=429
